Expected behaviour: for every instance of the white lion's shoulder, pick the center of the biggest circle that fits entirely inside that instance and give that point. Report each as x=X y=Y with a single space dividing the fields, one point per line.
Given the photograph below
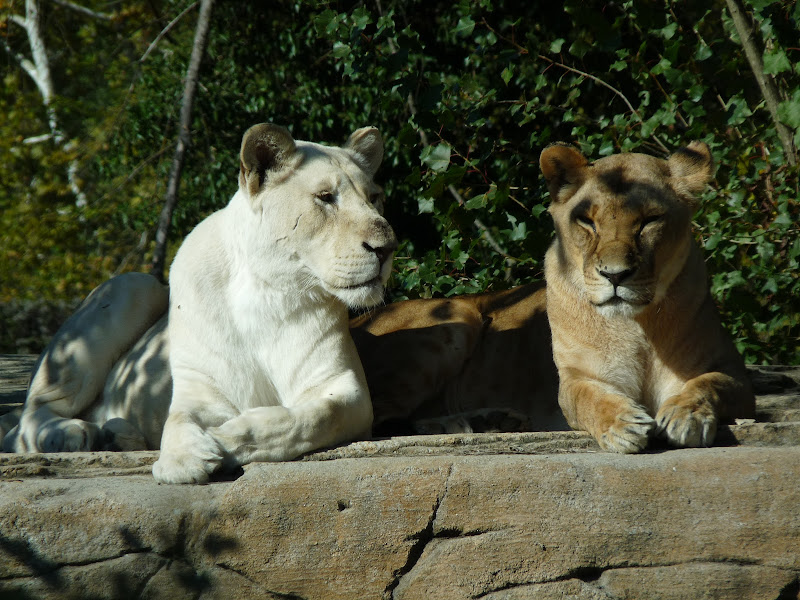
x=260 y=350
x=256 y=348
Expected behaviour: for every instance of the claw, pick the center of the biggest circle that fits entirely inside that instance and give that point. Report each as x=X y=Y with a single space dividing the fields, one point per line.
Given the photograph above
x=630 y=434
x=686 y=428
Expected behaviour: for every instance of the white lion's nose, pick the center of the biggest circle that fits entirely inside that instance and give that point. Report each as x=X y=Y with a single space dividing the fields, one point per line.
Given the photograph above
x=382 y=252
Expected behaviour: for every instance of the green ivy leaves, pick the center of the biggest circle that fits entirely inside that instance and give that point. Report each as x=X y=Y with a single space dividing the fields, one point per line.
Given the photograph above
x=466 y=94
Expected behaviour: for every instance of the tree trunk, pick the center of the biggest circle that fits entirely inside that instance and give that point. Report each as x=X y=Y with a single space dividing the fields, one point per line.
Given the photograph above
x=184 y=138
x=769 y=89
x=38 y=70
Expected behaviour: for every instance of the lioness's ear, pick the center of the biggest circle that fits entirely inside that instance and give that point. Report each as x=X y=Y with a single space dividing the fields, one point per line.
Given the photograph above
x=562 y=166
x=690 y=168
x=367 y=144
x=265 y=147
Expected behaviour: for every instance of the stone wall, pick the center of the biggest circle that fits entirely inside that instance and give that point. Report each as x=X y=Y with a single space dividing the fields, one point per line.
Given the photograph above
x=491 y=516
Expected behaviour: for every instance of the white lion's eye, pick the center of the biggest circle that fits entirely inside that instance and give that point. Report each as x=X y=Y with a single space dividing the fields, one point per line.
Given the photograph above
x=376 y=197
x=326 y=197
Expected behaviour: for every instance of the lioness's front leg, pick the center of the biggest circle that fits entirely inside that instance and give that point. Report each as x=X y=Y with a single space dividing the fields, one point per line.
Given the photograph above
x=689 y=418
x=617 y=423
x=333 y=413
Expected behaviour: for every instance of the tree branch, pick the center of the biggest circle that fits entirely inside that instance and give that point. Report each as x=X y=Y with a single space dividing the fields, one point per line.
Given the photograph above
x=184 y=138
x=423 y=138
x=24 y=63
x=83 y=10
x=523 y=50
x=19 y=20
x=605 y=85
x=38 y=69
x=37 y=139
x=769 y=89
x=165 y=31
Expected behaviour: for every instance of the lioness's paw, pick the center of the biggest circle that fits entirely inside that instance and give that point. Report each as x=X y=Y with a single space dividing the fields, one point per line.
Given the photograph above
x=686 y=426
x=629 y=434
x=68 y=435
x=482 y=420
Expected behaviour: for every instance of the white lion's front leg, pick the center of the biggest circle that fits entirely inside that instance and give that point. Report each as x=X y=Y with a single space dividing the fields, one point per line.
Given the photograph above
x=188 y=453
x=333 y=413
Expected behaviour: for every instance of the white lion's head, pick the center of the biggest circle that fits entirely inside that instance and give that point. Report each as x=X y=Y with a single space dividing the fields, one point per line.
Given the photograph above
x=319 y=210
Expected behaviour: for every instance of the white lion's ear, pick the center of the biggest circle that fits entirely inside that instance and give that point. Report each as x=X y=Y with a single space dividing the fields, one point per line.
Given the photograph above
x=367 y=144
x=563 y=168
x=690 y=169
x=265 y=148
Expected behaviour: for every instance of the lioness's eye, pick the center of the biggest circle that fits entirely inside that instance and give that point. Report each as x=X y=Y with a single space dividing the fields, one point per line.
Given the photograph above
x=585 y=221
x=650 y=220
x=326 y=197
x=376 y=197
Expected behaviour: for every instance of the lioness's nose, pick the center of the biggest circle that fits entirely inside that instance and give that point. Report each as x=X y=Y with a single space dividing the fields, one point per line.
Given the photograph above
x=616 y=275
x=382 y=252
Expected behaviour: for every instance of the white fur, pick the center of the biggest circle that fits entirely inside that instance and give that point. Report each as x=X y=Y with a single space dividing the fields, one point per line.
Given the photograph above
x=262 y=364
x=71 y=372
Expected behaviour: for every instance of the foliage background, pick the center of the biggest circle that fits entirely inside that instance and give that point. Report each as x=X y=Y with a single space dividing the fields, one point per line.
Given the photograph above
x=466 y=93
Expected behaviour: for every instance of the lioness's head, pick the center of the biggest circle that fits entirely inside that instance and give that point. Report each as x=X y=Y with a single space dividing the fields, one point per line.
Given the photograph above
x=623 y=222
x=319 y=210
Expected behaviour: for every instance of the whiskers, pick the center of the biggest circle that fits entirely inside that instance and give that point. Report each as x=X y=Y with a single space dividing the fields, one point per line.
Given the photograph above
x=309 y=285
x=353 y=270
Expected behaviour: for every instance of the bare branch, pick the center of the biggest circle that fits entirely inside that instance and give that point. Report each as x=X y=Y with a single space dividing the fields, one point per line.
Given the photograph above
x=605 y=85
x=769 y=89
x=184 y=138
x=39 y=76
x=38 y=69
x=25 y=63
x=19 y=20
x=37 y=139
x=524 y=51
x=165 y=31
x=83 y=10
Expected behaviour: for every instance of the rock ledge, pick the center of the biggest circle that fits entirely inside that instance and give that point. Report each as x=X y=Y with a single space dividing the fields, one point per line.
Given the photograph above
x=491 y=516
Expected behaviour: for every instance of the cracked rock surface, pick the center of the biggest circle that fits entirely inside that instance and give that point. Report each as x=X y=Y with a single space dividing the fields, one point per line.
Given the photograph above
x=491 y=516
x=720 y=520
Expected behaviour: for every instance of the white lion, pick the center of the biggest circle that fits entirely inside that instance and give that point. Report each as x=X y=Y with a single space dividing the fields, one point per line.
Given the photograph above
x=262 y=364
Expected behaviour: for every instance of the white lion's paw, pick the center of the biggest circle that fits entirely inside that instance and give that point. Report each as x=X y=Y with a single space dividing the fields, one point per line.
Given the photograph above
x=630 y=432
x=12 y=442
x=686 y=426
x=68 y=435
x=121 y=435
x=183 y=468
x=189 y=463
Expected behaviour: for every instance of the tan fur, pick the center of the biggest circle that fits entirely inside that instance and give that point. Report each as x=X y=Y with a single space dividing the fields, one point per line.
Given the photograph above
x=655 y=359
x=636 y=337
x=480 y=362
